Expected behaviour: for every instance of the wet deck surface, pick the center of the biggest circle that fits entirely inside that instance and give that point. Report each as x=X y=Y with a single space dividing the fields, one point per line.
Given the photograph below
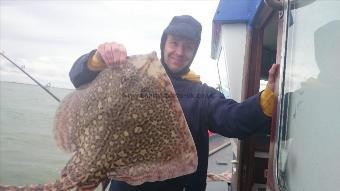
x=219 y=162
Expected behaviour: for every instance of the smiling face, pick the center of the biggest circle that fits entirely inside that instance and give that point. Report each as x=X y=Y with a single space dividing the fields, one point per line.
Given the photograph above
x=178 y=52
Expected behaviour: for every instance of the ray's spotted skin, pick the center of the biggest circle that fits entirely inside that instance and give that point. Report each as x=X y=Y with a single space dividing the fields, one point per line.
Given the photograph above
x=125 y=125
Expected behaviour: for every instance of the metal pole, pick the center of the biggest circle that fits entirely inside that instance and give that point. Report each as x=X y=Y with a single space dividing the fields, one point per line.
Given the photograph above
x=211 y=152
x=275 y=4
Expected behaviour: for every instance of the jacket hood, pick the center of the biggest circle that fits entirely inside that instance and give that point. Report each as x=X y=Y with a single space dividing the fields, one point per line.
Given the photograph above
x=184 y=26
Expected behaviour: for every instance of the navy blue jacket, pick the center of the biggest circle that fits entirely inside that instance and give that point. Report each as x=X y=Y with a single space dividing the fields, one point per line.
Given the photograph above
x=204 y=108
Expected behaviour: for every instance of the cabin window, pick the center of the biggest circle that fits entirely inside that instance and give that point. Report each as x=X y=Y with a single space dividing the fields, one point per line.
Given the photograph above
x=224 y=86
x=307 y=153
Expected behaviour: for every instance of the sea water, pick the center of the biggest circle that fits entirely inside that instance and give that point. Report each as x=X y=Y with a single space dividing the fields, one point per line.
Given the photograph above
x=28 y=152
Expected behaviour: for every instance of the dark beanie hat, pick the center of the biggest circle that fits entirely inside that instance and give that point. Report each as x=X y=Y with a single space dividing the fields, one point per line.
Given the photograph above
x=184 y=26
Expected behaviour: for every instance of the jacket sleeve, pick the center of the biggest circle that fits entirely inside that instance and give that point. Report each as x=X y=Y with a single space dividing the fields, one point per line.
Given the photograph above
x=80 y=74
x=236 y=120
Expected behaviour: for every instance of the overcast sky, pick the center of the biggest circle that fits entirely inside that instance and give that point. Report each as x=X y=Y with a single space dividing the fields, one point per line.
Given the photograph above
x=48 y=36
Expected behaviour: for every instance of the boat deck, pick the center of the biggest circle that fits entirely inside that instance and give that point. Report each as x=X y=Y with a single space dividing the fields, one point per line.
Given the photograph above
x=219 y=162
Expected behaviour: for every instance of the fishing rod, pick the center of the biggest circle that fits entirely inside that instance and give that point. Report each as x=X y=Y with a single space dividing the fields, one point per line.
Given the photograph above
x=55 y=97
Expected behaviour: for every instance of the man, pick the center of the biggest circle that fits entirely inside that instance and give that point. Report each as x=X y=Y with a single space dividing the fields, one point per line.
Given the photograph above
x=204 y=107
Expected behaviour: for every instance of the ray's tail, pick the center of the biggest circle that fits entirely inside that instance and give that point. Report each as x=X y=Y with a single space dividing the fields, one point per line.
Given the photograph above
x=36 y=187
x=59 y=185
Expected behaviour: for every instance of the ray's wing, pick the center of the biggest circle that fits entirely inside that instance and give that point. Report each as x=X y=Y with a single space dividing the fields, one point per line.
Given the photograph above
x=64 y=122
x=81 y=126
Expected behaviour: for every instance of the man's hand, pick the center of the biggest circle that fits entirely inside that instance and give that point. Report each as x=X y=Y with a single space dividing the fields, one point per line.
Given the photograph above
x=111 y=53
x=273 y=76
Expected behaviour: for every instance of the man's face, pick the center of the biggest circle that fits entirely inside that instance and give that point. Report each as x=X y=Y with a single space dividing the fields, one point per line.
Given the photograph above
x=178 y=52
